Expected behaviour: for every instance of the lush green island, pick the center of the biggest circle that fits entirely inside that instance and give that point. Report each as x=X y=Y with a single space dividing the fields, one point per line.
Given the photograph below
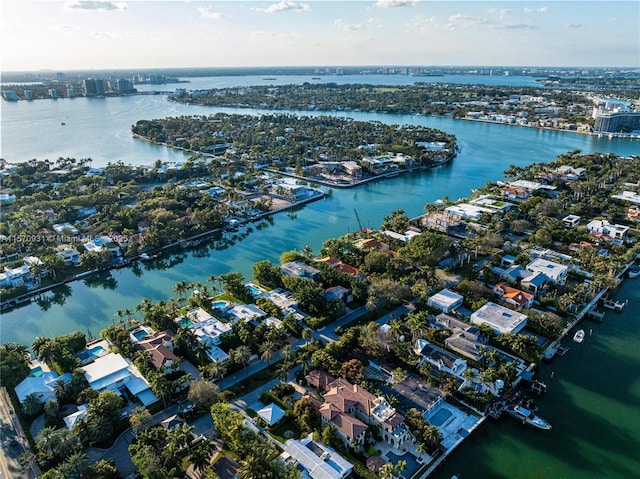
x=67 y=218
x=541 y=249
x=556 y=108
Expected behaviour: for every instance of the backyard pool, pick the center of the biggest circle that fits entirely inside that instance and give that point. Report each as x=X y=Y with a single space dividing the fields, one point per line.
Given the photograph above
x=91 y=353
x=140 y=334
x=36 y=372
x=254 y=290
x=185 y=323
x=220 y=304
x=441 y=416
x=412 y=463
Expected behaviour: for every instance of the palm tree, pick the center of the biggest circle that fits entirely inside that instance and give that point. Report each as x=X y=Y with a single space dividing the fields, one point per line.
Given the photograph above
x=180 y=289
x=268 y=348
x=60 y=389
x=201 y=455
x=241 y=355
x=67 y=442
x=432 y=436
x=140 y=419
x=307 y=334
x=51 y=409
x=99 y=428
x=216 y=370
x=31 y=405
x=186 y=338
x=287 y=353
x=283 y=370
x=47 y=440
x=75 y=466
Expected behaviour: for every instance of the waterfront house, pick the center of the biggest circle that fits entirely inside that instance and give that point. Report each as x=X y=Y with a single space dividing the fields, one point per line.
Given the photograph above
x=71 y=257
x=299 y=269
x=556 y=272
x=603 y=227
x=441 y=359
x=43 y=386
x=512 y=296
x=340 y=266
x=159 y=346
x=468 y=344
x=445 y=300
x=502 y=320
x=446 y=223
x=468 y=211
x=114 y=373
x=246 y=312
x=317 y=460
x=404 y=237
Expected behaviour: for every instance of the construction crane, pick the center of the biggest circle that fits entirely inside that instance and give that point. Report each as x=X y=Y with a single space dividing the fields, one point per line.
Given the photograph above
x=359 y=223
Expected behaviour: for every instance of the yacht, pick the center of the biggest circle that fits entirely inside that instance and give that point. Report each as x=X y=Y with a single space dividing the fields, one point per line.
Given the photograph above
x=634 y=272
x=527 y=417
x=579 y=336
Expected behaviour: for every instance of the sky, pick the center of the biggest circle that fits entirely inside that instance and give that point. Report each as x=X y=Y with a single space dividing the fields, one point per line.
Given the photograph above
x=105 y=34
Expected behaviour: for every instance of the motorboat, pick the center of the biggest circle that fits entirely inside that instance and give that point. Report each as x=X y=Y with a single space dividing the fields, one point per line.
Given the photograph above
x=527 y=417
x=633 y=272
x=579 y=336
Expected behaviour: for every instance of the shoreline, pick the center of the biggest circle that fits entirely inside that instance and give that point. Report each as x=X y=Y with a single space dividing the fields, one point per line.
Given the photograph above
x=27 y=298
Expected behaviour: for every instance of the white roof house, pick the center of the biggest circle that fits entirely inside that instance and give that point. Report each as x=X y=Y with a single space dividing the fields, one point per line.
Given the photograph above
x=445 y=300
x=112 y=372
x=556 y=272
x=246 y=312
x=320 y=461
x=501 y=319
x=606 y=228
x=468 y=211
x=271 y=414
x=42 y=386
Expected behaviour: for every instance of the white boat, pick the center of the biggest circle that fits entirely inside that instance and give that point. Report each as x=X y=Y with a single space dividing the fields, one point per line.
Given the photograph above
x=633 y=272
x=579 y=336
x=527 y=417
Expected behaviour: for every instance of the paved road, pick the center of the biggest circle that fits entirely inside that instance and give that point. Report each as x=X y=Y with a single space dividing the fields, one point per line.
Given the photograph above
x=10 y=430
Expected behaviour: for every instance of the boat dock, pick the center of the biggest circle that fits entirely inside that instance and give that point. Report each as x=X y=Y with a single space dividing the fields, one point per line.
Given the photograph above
x=614 y=305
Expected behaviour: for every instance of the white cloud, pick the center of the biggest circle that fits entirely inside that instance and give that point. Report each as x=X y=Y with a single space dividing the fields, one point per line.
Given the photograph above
x=536 y=10
x=347 y=27
x=206 y=12
x=466 y=20
x=423 y=23
x=515 y=26
x=352 y=27
x=573 y=25
x=284 y=7
x=395 y=3
x=502 y=12
x=95 y=5
x=66 y=29
x=112 y=35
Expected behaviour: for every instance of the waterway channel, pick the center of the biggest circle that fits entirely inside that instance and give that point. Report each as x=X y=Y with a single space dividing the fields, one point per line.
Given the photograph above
x=594 y=399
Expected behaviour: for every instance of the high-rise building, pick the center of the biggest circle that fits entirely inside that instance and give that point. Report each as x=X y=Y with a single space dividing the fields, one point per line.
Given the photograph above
x=10 y=95
x=71 y=93
x=60 y=77
x=124 y=85
x=53 y=93
x=93 y=87
x=28 y=95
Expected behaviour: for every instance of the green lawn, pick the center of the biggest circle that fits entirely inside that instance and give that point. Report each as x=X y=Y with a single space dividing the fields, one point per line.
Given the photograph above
x=287 y=429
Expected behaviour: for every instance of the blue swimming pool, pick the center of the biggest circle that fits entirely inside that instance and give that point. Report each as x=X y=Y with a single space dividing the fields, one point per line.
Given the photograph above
x=254 y=290
x=441 y=416
x=36 y=372
x=185 y=323
x=91 y=353
x=412 y=463
x=219 y=304
x=140 y=334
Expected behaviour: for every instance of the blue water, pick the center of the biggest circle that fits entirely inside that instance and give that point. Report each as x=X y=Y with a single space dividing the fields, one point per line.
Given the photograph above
x=219 y=304
x=91 y=353
x=36 y=372
x=441 y=416
x=412 y=463
x=140 y=334
x=185 y=323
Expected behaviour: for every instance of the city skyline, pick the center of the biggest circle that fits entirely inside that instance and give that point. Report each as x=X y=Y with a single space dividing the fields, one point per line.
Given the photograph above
x=103 y=34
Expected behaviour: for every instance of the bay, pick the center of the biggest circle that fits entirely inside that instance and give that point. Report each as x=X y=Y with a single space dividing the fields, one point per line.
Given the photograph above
x=594 y=398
